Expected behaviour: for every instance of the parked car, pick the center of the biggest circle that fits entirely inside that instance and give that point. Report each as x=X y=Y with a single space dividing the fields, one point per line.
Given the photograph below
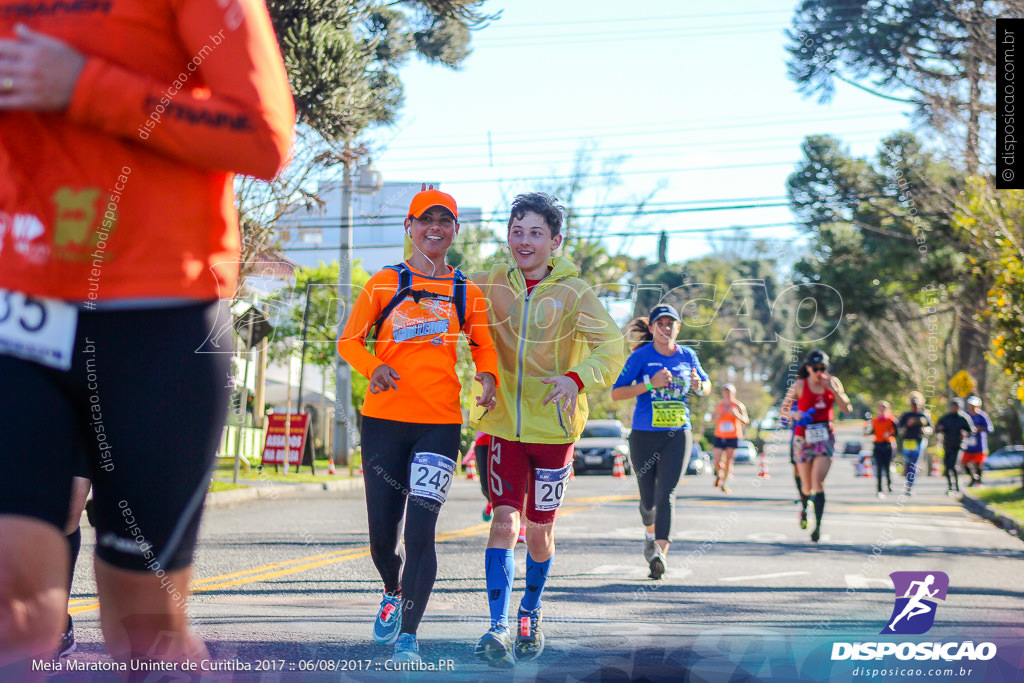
x=745 y=452
x=852 y=449
x=1007 y=458
x=598 y=446
x=700 y=462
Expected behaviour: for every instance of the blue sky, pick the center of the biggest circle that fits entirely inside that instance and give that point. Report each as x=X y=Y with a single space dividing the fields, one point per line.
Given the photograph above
x=693 y=95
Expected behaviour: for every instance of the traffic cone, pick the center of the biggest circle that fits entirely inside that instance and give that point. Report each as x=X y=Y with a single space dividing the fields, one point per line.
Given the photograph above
x=330 y=465
x=866 y=469
x=618 y=470
x=762 y=468
x=936 y=470
x=572 y=471
x=522 y=534
x=471 y=470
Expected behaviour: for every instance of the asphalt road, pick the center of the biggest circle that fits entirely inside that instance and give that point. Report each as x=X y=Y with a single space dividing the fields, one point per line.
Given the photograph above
x=289 y=581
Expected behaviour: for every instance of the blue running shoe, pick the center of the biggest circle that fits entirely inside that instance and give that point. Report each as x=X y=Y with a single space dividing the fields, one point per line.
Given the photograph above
x=496 y=648
x=389 y=619
x=529 y=637
x=406 y=649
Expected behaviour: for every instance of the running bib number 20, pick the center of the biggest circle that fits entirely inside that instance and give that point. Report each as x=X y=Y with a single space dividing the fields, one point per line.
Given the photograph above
x=549 y=488
x=431 y=476
x=40 y=330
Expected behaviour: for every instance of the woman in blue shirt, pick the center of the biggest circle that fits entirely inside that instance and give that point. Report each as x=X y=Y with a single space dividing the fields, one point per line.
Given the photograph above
x=659 y=374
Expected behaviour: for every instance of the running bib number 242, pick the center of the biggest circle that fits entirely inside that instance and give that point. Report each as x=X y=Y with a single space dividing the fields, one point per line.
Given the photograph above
x=431 y=476
x=40 y=330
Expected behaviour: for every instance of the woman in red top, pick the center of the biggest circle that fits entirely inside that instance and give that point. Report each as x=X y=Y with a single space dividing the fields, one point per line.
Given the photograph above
x=814 y=392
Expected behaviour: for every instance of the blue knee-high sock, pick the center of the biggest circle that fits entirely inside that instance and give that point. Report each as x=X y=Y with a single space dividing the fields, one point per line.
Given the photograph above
x=500 y=570
x=536 y=577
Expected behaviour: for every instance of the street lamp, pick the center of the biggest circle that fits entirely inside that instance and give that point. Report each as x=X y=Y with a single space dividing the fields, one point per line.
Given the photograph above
x=369 y=181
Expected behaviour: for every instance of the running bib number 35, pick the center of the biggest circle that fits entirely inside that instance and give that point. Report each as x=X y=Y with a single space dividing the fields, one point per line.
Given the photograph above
x=549 y=488
x=816 y=433
x=668 y=413
x=40 y=330
x=431 y=476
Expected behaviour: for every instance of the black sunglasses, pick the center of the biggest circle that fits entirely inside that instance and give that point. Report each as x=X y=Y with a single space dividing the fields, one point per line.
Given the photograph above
x=819 y=368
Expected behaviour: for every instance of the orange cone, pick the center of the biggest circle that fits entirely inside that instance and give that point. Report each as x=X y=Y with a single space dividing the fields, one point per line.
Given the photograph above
x=866 y=469
x=618 y=470
x=330 y=465
x=936 y=470
x=762 y=468
x=522 y=534
x=572 y=471
x=471 y=470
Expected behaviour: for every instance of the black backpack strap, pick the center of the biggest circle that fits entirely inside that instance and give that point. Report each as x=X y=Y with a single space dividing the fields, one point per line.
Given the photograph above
x=459 y=294
x=404 y=288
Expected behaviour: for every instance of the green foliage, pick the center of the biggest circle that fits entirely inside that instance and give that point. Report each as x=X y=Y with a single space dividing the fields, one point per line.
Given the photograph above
x=994 y=222
x=343 y=56
x=289 y=303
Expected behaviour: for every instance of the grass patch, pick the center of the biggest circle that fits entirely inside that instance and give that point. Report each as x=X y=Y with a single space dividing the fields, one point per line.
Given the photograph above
x=1005 y=476
x=1007 y=500
x=216 y=486
x=226 y=467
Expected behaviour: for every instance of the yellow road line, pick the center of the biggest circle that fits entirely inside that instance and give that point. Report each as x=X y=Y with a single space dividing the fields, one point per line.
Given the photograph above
x=275 y=570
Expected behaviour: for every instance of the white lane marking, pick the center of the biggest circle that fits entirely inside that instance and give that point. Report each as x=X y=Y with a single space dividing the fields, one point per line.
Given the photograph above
x=767 y=537
x=760 y=576
x=859 y=581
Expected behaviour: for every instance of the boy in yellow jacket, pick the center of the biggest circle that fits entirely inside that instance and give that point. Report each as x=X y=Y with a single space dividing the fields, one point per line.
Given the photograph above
x=555 y=342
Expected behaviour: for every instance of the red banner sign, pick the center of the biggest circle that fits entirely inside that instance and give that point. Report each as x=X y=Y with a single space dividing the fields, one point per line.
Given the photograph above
x=278 y=430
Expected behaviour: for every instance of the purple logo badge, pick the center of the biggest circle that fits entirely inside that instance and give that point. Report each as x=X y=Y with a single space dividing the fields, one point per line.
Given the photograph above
x=916 y=593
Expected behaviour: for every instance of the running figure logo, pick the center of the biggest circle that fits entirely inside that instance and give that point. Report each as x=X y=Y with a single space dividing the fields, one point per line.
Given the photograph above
x=916 y=592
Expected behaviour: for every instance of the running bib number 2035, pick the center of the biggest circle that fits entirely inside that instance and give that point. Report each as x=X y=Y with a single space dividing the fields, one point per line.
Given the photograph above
x=549 y=488
x=668 y=413
x=431 y=476
x=40 y=330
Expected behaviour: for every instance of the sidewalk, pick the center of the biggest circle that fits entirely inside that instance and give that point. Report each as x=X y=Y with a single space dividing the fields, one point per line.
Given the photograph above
x=274 y=489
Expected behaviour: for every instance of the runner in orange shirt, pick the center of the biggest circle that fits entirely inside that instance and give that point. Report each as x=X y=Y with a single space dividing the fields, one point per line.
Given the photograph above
x=729 y=417
x=412 y=416
x=121 y=125
x=884 y=429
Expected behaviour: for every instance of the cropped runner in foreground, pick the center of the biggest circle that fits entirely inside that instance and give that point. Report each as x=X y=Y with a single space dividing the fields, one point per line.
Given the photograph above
x=555 y=344
x=121 y=126
x=809 y=404
x=659 y=374
x=412 y=416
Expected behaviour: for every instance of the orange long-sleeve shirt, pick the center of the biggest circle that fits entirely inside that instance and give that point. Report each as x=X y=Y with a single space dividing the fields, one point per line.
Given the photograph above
x=127 y=193
x=418 y=340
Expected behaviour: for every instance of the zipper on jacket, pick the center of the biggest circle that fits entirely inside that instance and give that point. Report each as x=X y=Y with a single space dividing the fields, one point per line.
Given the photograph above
x=519 y=380
x=558 y=412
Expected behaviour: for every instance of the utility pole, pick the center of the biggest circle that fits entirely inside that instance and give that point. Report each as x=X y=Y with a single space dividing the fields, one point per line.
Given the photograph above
x=369 y=182
x=342 y=370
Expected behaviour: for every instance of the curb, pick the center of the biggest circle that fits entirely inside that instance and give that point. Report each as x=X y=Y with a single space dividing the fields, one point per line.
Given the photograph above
x=275 y=489
x=980 y=508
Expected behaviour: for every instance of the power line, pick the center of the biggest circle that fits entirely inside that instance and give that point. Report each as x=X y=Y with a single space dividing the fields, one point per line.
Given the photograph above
x=662 y=129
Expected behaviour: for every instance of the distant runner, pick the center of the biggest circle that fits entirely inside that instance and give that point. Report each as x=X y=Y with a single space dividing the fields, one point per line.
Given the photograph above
x=814 y=442
x=976 y=446
x=914 y=428
x=729 y=418
x=956 y=428
x=884 y=430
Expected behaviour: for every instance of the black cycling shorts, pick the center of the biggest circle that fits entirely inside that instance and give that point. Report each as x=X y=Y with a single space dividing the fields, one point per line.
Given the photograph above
x=144 y=403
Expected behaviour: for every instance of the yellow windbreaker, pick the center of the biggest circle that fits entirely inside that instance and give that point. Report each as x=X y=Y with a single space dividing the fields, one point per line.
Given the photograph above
x=560 y=327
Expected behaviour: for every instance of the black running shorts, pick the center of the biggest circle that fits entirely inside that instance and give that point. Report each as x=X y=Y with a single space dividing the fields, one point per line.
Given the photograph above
x=145 y=401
